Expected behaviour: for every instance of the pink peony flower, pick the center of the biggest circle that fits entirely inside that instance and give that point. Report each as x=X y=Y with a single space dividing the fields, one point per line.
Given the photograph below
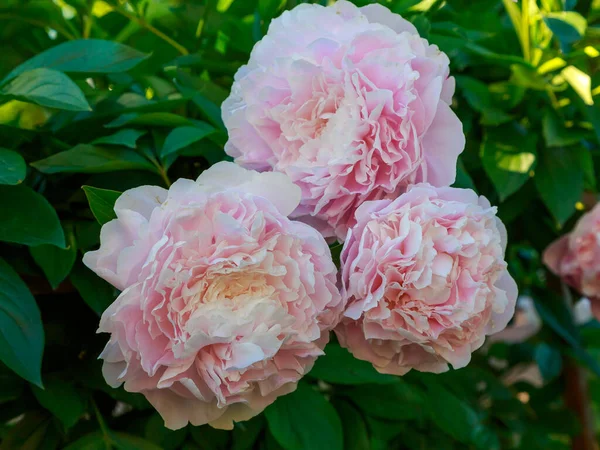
x=226 y=302
x=575 y=257
x=425 y=280
x=349 y=102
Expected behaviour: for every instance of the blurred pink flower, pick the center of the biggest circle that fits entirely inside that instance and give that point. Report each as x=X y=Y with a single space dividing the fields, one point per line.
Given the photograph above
x=575 y=257
x=351 y=103
x=425 y=280
x=226 y=302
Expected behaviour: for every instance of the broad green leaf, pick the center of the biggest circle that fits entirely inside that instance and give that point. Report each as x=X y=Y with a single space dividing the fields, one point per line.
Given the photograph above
x=124 y=441
x=549 y=361
x=155 y=119
x=245 y=434
x=86 y=158
x=96 y=292
x=458 y=419
x=557 y=135
x=463 y=179
x=21 y=331
x=56 y=262
x=183 y=136
x=12 y=167
x=30 y=219
x=382 y=401
x=270 y=8
x=126 y=137
x=508 y=157
x=338 y=366
x=568 y=27
x=479 y=98
x=527 y=77
x=62 y=399
x=92 y=441
x=559 y=179
x=156 y=432
x=210 y=438
x=580 y=82
x=356 y=436
x=84 y=56
x=294 y=422
x=46 y=87
x=102 y=203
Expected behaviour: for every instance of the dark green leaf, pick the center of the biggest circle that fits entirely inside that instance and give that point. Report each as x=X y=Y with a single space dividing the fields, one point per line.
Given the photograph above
x=55 y=262
x=32 y=220
x=92 y=441
x=155 y=119
x=567 y=26
x=548 y=360
x=294 y=423
x=11 y=386
x=557 y=135
x=96 y=292
x=85 y=158
x=156 y=432
x=356 y=436
x=270 y=8
x=102 y=203
x=183 y=136
x=338 y=366
x=246 y=433
x=126 y=137
x=12 y=167
x=210 y=438
x=508 y=157
x=46 y=87
x=124 y=441
x=62 y=399
x=21 y=331
x=458 y=419
x=382 y=401
x=559 y=179
x=86 y=56
x=463 y=179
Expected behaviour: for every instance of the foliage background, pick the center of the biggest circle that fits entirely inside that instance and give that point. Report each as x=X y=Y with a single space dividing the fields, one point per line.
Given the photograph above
x=142 y=107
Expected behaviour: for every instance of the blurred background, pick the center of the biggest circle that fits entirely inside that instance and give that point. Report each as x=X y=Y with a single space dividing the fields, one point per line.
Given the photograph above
x=527 y=92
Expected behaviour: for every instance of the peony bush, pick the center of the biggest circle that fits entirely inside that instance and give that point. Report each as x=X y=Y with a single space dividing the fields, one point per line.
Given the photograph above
x=389 y=243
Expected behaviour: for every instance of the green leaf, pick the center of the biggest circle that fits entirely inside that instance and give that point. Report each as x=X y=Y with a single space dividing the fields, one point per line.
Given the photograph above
x=62 y=399
x=508 y=156
x=46 y=87
x=154 y=119
x=32 y=220
x=210 y=438
x=568 y=27
x=102 y=203
x=382 y=401
x=84 y=56
x=270 y=8
x=126 y=137
x=356 y=436
x=11 y=386
x=156 y=432
x=480 y=99
x=549 y=361
x=92 y=441
x=458 y=419
x=294 y=422
x=463 y=179
x=557 y=135
x=21 y=331
x=580 y=82
x=559 y=179
x=96 y=293
x=56 y=262
x=86 y=158
x=245 y=434
x=340 y=367
x=124 y=441
x=12 y=167
x=183 y=136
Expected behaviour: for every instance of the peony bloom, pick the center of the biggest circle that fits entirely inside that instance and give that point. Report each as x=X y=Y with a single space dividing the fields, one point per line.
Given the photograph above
x=575 y=257
x=226 y=302
x=351 y=103
x=425 y=280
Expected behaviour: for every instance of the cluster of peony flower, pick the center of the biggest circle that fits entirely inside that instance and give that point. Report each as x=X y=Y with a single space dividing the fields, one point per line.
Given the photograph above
x=575 y=257
x=227 y=302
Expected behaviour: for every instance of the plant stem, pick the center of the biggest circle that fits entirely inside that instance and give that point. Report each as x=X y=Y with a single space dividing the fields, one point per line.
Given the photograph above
x=141 y=22
x=103 y=427
x=525 y=25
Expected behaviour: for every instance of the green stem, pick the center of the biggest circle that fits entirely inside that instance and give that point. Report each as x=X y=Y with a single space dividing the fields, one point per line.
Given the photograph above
x=141 y=22
x=525 y=16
